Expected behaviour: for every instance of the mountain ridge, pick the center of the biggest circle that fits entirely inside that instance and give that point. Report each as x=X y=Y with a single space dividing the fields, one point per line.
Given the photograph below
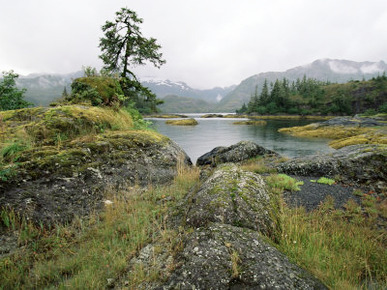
x=333 y=70
x=45 y=88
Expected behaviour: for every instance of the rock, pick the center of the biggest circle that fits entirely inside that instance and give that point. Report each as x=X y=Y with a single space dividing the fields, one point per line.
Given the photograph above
x=53 y=183
x=221 y=256
x=218 y=242
x=241 y=151
x=355 y=121
x=363 y=164
x=232 y=196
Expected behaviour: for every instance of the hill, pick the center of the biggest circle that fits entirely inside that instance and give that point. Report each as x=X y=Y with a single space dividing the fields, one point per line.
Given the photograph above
x=176 y=104
x=331 y=70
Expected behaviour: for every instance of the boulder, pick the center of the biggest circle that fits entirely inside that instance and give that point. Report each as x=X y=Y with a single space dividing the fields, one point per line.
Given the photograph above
x=222 y=256
x=219 y=243
x=56 y=179
x=355 y=121
x=363 y=164
x=232 y=196
x=241 y=151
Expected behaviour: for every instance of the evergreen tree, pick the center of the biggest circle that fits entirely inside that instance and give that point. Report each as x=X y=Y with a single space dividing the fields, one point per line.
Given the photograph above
x=123 y=46
x=11 y=97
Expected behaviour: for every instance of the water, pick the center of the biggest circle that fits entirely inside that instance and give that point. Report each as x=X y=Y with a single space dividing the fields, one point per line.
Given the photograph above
x=213 y=132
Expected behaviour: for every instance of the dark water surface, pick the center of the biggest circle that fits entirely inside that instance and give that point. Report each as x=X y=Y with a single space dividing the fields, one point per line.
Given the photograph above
x=213 y=132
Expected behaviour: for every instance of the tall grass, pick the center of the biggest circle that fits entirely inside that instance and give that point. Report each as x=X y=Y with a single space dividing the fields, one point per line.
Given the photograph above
x=341 y=247
x=90 y=251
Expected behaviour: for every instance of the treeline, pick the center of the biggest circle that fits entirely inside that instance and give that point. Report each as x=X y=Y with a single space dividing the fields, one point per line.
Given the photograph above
x=308 y=96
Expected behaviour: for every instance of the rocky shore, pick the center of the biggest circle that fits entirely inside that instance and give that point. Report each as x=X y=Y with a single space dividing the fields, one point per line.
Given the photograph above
x=225 y=223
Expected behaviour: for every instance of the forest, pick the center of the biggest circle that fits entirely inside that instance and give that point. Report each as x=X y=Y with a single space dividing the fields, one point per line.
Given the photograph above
x=308 y=96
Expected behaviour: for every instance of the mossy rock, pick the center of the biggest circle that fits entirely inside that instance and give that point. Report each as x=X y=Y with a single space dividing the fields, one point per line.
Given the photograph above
x=233 y=196
x=251 y=122
x=70 y=155
x=183 y=122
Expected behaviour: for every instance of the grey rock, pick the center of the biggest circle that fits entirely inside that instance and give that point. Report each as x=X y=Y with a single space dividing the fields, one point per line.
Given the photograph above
x=232 y=196
x=59 y=187
x=222 y=256
x=241 y=151
x=363 y=164
x=355 y=121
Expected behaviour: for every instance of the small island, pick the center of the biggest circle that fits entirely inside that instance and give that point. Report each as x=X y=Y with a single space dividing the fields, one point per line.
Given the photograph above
x=251 y=122
x=182 y=122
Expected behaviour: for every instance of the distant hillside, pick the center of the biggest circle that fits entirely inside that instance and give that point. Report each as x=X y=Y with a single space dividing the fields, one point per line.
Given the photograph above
x=42 y=89
x=164 y=88
x=177 y=104
x=339 y=71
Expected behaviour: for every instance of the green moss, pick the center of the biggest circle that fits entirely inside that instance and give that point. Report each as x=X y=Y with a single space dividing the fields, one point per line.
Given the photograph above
x=251 y=122
x=283 y=182
x=324 y=180
x=184 y=122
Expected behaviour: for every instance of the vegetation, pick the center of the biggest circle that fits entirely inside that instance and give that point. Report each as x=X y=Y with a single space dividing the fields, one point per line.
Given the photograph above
x=182 y=122
x=123 y=46
x=283 y=182
x=342 y=135
x=11 y=97
x=345 y=248
x=89 y=253
x=251 y=122
x=309 y=96
x=324 y=180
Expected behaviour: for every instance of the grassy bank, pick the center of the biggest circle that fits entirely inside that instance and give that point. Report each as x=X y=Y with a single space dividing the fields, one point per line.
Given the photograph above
x=342 y=135
x=88 y=252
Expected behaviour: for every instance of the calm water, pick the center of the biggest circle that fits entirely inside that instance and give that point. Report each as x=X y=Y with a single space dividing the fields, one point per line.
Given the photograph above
x=210 y=133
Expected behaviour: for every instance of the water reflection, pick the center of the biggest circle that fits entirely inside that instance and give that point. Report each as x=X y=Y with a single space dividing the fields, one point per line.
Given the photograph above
x=210 y=133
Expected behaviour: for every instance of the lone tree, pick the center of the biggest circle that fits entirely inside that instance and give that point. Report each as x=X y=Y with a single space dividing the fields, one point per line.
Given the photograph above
x=123 y=46
x=11 y=98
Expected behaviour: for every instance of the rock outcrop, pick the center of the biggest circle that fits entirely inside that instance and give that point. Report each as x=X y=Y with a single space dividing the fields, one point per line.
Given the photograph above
x=363 y=164
x=223 y=245
x=241 y=151
x=56 y=180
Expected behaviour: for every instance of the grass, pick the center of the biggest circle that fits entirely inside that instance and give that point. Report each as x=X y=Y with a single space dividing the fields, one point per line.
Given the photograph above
x=283 y=182
x=342 y=136
x=88 y=252
x=257 y=165
x=343 y=248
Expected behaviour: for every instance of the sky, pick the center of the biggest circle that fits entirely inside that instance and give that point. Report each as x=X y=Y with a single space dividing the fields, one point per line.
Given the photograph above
x=206 y=43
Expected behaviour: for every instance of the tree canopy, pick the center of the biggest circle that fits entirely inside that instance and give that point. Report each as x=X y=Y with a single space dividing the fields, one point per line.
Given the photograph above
x=11 y=97
x=123 y=46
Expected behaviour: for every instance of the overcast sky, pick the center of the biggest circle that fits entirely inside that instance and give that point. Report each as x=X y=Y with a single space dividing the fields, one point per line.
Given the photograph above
x=206 y=43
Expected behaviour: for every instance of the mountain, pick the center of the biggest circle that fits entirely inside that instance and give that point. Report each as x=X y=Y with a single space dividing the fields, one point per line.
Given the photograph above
x=42 y=89
x=332 y=70
x=177 y=104
x=164 y=88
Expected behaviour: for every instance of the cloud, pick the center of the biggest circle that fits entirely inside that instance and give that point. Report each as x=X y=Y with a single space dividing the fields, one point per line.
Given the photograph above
x=205 y=43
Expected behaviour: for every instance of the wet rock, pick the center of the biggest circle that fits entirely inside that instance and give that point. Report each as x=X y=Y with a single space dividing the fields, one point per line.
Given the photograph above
x=232 y=196
x=241 y=151
x=363 y=164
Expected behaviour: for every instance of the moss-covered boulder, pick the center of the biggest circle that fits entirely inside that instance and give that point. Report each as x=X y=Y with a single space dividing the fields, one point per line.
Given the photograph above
x=57 y=163
x=219 y=243
x=241 y=151
x=233 y=196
